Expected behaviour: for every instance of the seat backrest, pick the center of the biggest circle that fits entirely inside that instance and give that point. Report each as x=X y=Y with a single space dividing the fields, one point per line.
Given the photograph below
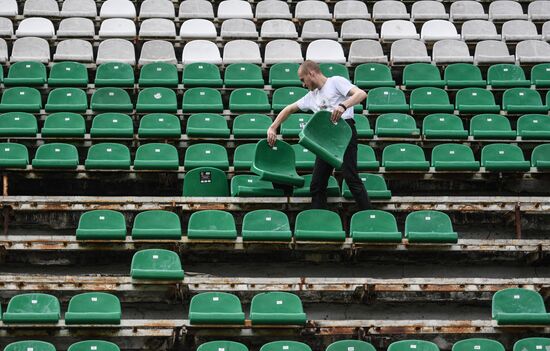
x=156 y=9
x=285 y=346
x=196 y=9
x=117 y=9
x=442 y=121
x=272 y=9
x=34 y=303
x=157 y=219
x=489 y=121
x=105 y=219
x=418 y=345
x=25 y=345
x=517 y=300
x=451 y=152
x=521 y=96
x=47 y=8
x=94 y=302
x=372 y=221
x=312 y=219
x=325 y=50
x=201 y=51
x=310 y=9
x=116 y=50
x=420 y=71
x=409 y=50
x=234 y=9
x=205 y=181
x=97 y=345
x=501 y=152
x=505 y=72
x=350 y=9
x=428 y=221
x=222 y=345
x=403 y=152
x=215 y=302
x=532 y=344
x=395 y=120
x=276 y=302
x=477 y=344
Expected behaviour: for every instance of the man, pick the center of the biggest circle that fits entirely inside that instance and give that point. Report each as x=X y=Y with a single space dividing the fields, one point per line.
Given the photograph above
x=338 y=95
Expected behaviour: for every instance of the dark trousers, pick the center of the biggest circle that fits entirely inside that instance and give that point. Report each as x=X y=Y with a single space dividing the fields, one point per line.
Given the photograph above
x=323 y=170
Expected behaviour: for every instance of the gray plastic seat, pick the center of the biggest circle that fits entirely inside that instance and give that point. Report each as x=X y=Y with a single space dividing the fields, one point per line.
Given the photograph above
x=435 y=30
x=318 y=29
x=76 y=27
x=366 y=50
x=312 y=9
x=492 y=51
x=117 y=9
x=409 y=51
x=325 y=50
x=3 y=51
x=46 y=8
x=117 y=28
x=201 y=51
x=238 y=28
x=234 y=9
x=546 y=31
x=198 y=28
x=116 y=50
x=78 y=8
x=451 y=51
x=351 y=9
x=425 y=10
x=35 y=27
x=196 y=9
x=74 y=50
x=504 y=10
x=517 y=30
x=358 y=29
x=8 y=8
x=283 y=50
x=157 y=28
x=272 y=9
x=278 y=28
x=30 y=49
x=6 y=27
x=157 y=51
x=539 y=10
x=398 y=29
x=475 y=30
x=241 y=51
x=465 y=10
x=532 y=51
x=157 y=9
x=389 y=9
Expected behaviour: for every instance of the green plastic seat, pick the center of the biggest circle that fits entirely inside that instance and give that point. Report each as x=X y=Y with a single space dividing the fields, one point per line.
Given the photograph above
x=248 y=185
x=284 y=75
x=396 y=125
x=28 y=345
x=64 y=124
x=350 y=345
x=452 y=157
x=374 y=226
x=157 y=99
x=93 y=308
x=504 y=75
x=202 y=100
x=13 y=124
x=333 y=70
x=523 y=100
x=68 y=74
x=205 y=182
x=286 y=96
x=491 y=126
x=404 y=157
x=21 y=99
x=159 y=125
x=373 y=75
x=67 y=100
x=277 y=308
x=155 y=156
x=249 y=99
x=108 y=156
x=266 y=225
x=540 y=157
x=111 y=100
x=112 y=124
x=276 y=164
x=207 y=125
x=114 y=74
x=243 y=75
x=520 y=307
x=251 y=125
x=532 y=344
x=156 y=224
x=93 y=345
x=463 y=75
x=326 y=139
x=305 y=159
x=333 y=190
x=211 y=224
x=503 y=157
x=443 y=126
x=429 y=227
x=216 y=308
x=374 y=184
x=206 y=155
x=201 y=74
x=477 y=344
x=243 y=156
x=362 y=126
x=430 y=100
x=101 y=225
x=158 y=74
x=156 y=264
x=294 y=124
x=32 y=308
x=366 y=159
x=422 y=75
x=475 y=100
x=56 y=155
x=540 y=75
x=26 y=73
x=285 y=346
x=386 y=99
x=13 y=155
x=222 y=345
x=418 y=345
x=532 y=126
x=319 y=225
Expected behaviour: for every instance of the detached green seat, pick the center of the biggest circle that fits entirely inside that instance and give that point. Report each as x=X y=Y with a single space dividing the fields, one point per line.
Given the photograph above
x=443 y=126
x=222 y=345
x=111 y=100
x=334 y=69
x=532 y=126
x=396 y=125
x=305 y=159
x=249 y=99
x=68 y=74
x=243 y=156
x=491 y=126
x=13 y=155
x=333 y=190
x=201 y=74
x=93 y=345
x=157 y=99
x=14 y=124
x=154 y=156
x=216 y=308
x=156 y=264
x=285 y=346
x=540 y=75
x=158 y=74
x=430 y=100
x=248 y=185
x=277 y=308
x=404 y=157
x=463 y=75
x=350 y=345
x=417 y=345
x=532 y=344
x=32 y=308
x=373 y=75
x=517 y=306
x=294 y=124
x=251 y=125
x=114 y=74
x=93 y=308
x=205 y=182
x=206 y=155
x=243 y=75
x=319 y=225
x=157 y=224
x=67 y=100
x=523 y=100
x=266 y=225
x=374 y=184
x=506 y=75
x=64 y=124
x=108 y=156
x=366 y=159
x=477 y=344
x=211 y=224
x=503 y=157
x=276 y=164
x=159 y=125
x=374 y=226
x=26 y=73
x=475 y=100
x=429 y=227
x=453 y=157
x=30 y=345
x=362 y=126
x=207 y=125
x=202 y=100
x=386 y=99
x=540 y=157
x=101 y=225
x=422 y=75
x=284 y=75
x=21 y=99
x=282 y=97
x=112 y=124
x=56 y=155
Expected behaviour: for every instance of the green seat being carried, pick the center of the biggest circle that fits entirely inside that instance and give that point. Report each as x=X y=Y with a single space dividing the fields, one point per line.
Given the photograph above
x=101 y=225
x=114 y=74
x=157 y=99
x=374 y=184
x=366 y=159
x=422 y=75
x=64 y=124
x=243 y=75
x=157 y=224
x=533 y=126
x=491 y=126
x=386 y=99
x=374 y=226
x=417 y=345
x=540 y=75
x=266 y=225
x=93 y=345
x=506 y=75
x=30 y=345
x=108 y=156
x=251 y=125
x=443 y=126
x=294 y=124
x=205 y=181
x=276 y=164
x=277 y=308
x=216 y=308
x=333 y=190
x=21 y=99
x=211 y=224
x=68 y=74
x=93 y=308
x=159 y=125
x=208 y=125
x=248 y=185
x=202 y=100
x=67 y=100
x=350 y=345
x=503 y=157
x=430 y=100
x=13 y=155
x=404 y=157
x=305 y=159
x=56 y=155
x=111 y=100
x=532 y=344
x=540 y=158
x=319 y=225
x=396 y=125
x=32 y=308
x=285 y=346
x=373 y=75
x=284 y=75
x=523 y=100
x=463 y=75
x=243 y=156
x=477 y=344
x=249 y=100
x=222 y=345
x=200 y=74
x=362 y=126
x=206 y=155
x=517 y=306
x=26 y=73
x=112 y=124
x=475 y=100
x=154 y=156
x=14 y=124
x=156 y=264
x=453 y=157
x=429 y=227
x=158 y=74
x=286 y=96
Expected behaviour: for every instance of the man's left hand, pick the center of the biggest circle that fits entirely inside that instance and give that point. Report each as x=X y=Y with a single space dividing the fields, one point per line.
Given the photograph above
x=337 y=113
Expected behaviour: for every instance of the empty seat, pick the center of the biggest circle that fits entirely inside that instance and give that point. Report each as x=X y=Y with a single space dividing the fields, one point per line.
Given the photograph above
x=540 y=75
x=506 y=75
x=285 y=345
x=116 y=50
x=504 y=10
x=206 y=155
x=278 y=28
x=198 y=28
x=362 y=125
x=532 y=51
x=205 y=181
x=319 y=225
x=350 y=345
x=366 y=159
x=388 y=10
x=157 y=9
x=412 y=344
x=428 y=10
x=333 y=190
x=442 y=126
x=47 y=8
x=476 y=30
x=21 y=99
x=112 y=124
x=373 y=75
x=492 y=51
x=13 y=155
x=76 y=27
x=35 y=308
x=396 y=125
x=305 y=159
x=201 y=74
x=238 y=28
x=428 y=227
x=101 y=225
x=98 y=345
x=29 y=345
x=159 y=74
x=35 y=27
x=202 y=100
x=318 y=29
x=157 y=28
x=108 y=156
x=201 y=51
x=422 y=75
x=477 y=344
x=531 y=344
x=286 y=96
x=523 y=100
x=110 y=100
x=404 y=157
x=373 y=226
x=156 y=224
x=243 y=156
x=234 y=9
x=208 y=125
x=117 y=28
x=156 y=156
x=26 y=73
x=474 y=100
x=408 y=50
x=546 y=31
x=114 y=74
x=67 y=99
x=398 y=29
x=247 y=185
x=516 y=30
x=8 y=8
x=270 y=9
x=64 y=124
x=211 y=224
x=216 y=308
x=538 y=11
x=6 y=27
x=117 y=9
x=325 y=50
x=241 y=51
x=451 y=51
x=358 y=29
x=540 y=157
x=386 y=99
x=156 y=264
x=3 y=51
x=284 y=74
x=435 y=30
x=14 y=124
x=222 y=344
x=251 y=125
x=294 y=124
x=93 y=308
x=462 y=75
x=283 y=50
x=157 y=100
x=74 y=50
x=249 y=100
x=277 y=308
x=266 y=225
x=30 y=49
x=276 y=164
x=312 y=9
x=503 y=157
x=428 y=99
x=196 y=9
x=533 y=126
x=366 y=50
x=464 y=10
x=519 y=306
x=374 y=184
x=350 y=9
x=452 y=157
x=243 y=75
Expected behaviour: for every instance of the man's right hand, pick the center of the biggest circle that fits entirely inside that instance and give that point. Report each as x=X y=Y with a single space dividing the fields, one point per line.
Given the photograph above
x=271 y=136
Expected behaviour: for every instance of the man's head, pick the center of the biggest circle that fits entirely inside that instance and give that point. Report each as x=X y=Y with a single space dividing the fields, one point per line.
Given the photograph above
x=310 y=75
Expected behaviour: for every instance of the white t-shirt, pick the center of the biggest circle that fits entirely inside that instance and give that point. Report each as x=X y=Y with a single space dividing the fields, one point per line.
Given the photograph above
x=334 y=92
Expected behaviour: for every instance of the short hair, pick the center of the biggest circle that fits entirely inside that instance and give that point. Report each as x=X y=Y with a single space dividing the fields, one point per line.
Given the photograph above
x=310 y=66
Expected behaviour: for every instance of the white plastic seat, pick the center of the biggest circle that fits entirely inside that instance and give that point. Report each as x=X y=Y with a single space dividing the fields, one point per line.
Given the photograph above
x=278 y=28
x=35 y=27
x=312 y=9
x=157 y=9
x=3 y=51
x=157 y=28
x=517 y=30
x=6 y=27
x=358 y=29
x=8 y=8
x=30 y=49
x=201 y=51
x=475 y=30
x=465 y=10
x=157 y=51
x=388 y=10
x=196 y=9
x=435 y=30
x=366 y=50
x=408 y=51
x=116 y=50
x=351 y=9
x=76 y=27
x=78 y=8
x=198 y=28
x=504 y=10
x=318 y=29
x=241 y=51
x=546 y=31
x=451 y=51
x=283 y=50
x=117 y=28
x=398 y=29
x=492 y=51
x=238 y=28
x=428 y=10
x=272 y=9
x=532 y=51
x=539 y=10
x=234 y=9
x=117 y=9
x=325 y=51
x=74 y=50
x=46 y=8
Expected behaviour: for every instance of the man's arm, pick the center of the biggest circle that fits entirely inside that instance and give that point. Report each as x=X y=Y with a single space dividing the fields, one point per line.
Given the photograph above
x=356 y=96
x=281 y=117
